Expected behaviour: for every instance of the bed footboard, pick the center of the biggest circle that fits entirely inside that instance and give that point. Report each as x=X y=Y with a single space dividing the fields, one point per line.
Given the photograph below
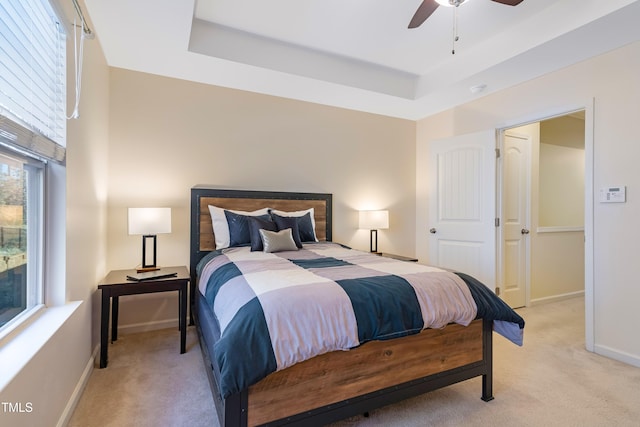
x=339 y=387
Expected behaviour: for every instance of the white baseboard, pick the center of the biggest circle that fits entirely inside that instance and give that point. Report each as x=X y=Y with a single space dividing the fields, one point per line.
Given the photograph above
x=77 y=392
x=554 y=298
x=620 y=356
x=134 y=328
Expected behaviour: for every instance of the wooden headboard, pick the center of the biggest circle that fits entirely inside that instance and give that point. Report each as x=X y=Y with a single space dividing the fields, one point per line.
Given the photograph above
x=202 y=238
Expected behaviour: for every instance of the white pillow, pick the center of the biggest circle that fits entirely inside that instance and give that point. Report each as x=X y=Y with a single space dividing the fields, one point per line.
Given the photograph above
x=278 y=241
x=300 y=213
x=221 y=227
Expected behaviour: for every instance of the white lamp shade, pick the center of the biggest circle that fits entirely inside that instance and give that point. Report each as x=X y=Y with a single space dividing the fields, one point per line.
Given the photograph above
x=149 y=221
x=374 y=220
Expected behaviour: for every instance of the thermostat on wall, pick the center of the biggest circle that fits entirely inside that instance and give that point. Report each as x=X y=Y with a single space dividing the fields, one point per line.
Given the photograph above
x=613 y=194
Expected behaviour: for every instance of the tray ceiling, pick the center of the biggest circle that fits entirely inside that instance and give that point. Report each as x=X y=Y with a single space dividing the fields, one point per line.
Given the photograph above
x=359 y=54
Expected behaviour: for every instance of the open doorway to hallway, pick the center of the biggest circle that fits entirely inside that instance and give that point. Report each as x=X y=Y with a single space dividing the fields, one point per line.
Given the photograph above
x=541 y=252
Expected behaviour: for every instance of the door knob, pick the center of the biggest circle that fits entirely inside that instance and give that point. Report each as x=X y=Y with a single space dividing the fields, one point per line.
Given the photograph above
x=524 y=231
x=432 y=231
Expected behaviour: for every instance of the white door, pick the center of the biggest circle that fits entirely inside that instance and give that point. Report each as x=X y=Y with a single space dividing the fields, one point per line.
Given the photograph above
x=515 y=217
x=462 y=205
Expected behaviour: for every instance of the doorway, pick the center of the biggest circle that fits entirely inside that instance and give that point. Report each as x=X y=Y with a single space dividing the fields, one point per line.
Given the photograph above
x=541 y=203
x=434 y=183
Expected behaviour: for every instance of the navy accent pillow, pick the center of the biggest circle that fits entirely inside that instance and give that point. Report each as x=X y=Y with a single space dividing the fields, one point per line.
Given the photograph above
x=255 y=224
x=239 y=228
x=288 y=222
x=305 y=226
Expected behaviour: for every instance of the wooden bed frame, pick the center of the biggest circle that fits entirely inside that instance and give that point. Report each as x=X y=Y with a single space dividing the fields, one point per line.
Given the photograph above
x=339 y=384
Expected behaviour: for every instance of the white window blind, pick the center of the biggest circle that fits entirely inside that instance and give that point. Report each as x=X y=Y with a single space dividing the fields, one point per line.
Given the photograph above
x=32 y=77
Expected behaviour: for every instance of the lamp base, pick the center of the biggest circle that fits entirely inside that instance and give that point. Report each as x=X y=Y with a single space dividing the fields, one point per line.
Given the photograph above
x=148 y=264
x=373 y=241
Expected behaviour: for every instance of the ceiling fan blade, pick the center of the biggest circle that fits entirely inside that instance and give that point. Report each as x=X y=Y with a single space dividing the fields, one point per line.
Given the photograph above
x=509 y=2
x=424 y=11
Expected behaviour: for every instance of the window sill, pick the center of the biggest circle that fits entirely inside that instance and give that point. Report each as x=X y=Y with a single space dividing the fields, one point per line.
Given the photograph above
x=19 y=323
x=19 y=346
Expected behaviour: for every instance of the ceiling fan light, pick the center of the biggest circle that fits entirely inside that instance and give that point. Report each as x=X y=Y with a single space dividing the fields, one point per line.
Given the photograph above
x=450 y=3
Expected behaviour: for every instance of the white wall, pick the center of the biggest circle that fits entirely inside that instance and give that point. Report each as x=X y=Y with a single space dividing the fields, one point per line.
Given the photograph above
x=615 y=134
x=167 y=135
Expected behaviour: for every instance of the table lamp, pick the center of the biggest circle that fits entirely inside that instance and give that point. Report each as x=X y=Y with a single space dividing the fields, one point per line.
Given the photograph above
x=374 y=221
x=149 y=222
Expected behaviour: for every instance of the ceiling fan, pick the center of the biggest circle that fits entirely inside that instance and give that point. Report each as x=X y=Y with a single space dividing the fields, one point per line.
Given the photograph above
x=429 y=6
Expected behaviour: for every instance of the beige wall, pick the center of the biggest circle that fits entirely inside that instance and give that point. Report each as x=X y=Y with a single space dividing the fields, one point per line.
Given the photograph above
x=557 y=269
x=53 y=379
x=87 y=157
x=615 y=155
x=557 y=257
x=561 y=186
x=561 y=180
x=567 y=130
x=167 y=135
x=557 y=266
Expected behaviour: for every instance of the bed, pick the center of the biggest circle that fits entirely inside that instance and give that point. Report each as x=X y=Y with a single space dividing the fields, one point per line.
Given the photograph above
x=355 y=377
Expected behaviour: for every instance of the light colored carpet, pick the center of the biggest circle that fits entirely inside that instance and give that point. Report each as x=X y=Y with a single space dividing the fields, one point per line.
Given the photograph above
x=148 y=383
x=551 y=381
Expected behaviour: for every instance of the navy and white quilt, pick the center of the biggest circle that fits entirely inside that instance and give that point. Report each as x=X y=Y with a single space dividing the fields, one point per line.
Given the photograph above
x=278 y=309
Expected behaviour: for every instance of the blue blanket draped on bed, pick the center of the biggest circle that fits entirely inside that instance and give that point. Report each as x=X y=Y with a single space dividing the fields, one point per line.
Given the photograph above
x=275 y=310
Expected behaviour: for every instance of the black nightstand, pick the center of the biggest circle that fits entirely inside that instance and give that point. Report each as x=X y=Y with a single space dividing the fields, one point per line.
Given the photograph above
x=398 y=257
x=116 y=284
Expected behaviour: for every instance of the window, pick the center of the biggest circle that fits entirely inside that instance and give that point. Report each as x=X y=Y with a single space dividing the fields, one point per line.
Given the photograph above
x=32 y=136
x=20 y=234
